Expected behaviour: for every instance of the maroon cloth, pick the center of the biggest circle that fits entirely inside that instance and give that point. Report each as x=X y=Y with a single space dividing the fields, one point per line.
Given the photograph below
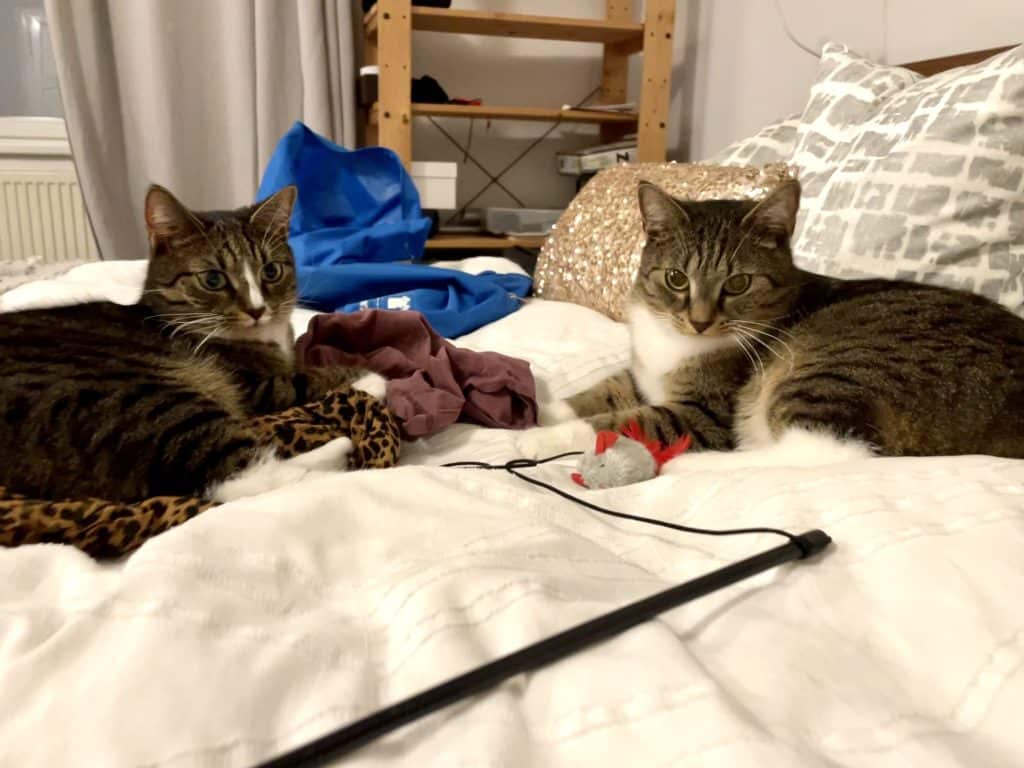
x=431 y=382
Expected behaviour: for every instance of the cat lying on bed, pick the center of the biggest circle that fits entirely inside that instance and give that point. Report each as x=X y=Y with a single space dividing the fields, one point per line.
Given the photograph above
x=128 y=402
x=739 y=348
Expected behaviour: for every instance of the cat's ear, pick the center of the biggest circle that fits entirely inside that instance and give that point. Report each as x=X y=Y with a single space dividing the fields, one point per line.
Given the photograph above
x=776 y=213
x=273 y=214
x=166 y=217
x=659 y=210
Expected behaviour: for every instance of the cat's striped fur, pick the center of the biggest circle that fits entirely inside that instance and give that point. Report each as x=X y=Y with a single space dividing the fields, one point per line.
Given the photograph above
x=749 y=347
x=128 y=402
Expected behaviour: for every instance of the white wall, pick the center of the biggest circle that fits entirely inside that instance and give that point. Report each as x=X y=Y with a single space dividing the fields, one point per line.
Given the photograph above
x=745 y=71
x=734 y=70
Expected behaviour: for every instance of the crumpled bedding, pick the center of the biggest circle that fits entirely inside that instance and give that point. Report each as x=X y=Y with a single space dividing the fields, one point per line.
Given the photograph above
x=271 y=620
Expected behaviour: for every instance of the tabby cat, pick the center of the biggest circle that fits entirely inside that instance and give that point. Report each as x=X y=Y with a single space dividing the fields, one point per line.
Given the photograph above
x=128 y=402
x=734 y=345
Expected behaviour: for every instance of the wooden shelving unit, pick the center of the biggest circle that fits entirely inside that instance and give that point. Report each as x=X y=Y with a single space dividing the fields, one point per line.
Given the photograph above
x=388 y=28
x=516 y=113
x=628 y=34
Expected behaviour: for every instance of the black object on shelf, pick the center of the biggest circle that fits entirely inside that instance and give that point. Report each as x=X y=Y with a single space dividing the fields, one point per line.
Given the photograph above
x=426 y=90
x=582 y=179
x=368 y=4
x=368 y=83
x=435 y=221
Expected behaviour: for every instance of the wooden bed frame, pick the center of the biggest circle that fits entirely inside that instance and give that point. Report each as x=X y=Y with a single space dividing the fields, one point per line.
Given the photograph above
x=929 y=67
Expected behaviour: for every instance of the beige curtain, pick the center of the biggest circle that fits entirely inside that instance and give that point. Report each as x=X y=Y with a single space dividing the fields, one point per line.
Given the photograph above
x=193 y=94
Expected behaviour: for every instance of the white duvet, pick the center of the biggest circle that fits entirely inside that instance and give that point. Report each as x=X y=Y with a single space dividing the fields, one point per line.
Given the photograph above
x=269 y=621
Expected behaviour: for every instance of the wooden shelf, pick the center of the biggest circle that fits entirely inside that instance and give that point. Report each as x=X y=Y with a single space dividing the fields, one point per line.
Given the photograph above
x=482 y=242
x=389 y=39
x=627 y=34
x=517 y=113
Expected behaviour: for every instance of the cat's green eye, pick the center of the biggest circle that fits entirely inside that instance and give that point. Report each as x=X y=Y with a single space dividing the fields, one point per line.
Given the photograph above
x=736 y=284
x=213 y=280
x=272 y=272
x=676 y=280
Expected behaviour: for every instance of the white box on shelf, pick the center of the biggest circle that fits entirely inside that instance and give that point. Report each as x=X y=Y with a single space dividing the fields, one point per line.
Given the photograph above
x=435 y=182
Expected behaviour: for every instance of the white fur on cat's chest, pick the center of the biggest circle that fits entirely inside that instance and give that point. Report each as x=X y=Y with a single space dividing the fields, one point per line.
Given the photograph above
x=659 y=349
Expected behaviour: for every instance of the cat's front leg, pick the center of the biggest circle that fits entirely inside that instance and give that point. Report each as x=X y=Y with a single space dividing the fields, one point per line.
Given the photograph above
x=544 y=442
x=706 y=422
x=616 y=393
x=268 y=394
x=572 y=424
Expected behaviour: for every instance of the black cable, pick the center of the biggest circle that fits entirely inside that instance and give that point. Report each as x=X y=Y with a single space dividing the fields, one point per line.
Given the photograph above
x=512 y=466
x=533 y=657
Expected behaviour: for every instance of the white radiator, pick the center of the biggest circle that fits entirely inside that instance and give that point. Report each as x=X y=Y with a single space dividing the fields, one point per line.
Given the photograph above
x=42 y=216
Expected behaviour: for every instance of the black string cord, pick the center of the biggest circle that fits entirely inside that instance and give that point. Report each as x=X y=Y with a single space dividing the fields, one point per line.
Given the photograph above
x=513 y=466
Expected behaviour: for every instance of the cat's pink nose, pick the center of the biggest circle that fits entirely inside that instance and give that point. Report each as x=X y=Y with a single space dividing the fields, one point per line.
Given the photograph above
x=701 y=325
x=256 y=312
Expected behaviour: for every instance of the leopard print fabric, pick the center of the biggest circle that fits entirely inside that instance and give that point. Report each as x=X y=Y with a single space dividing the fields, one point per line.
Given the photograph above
x=371 y=427
x=106 y=529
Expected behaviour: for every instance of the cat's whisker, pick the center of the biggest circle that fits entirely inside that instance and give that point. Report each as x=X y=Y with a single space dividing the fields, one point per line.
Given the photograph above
x=183 y=315
x=770 y=347
x=769 y=326
x=743 y=337
x=745 y=347
x=198 y=324
x=775 y=338
x=210 y=335
x=755 y=341
x=758 y=362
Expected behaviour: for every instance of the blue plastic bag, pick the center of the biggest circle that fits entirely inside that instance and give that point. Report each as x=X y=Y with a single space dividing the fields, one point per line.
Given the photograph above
x=353 y=205
x=453 y=302
x=357 y=210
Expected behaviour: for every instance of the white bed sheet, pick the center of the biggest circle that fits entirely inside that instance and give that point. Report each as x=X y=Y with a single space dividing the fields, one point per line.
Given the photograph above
x=266 y=622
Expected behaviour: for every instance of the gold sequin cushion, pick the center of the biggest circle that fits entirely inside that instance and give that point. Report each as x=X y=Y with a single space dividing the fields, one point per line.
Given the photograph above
x=592 y=254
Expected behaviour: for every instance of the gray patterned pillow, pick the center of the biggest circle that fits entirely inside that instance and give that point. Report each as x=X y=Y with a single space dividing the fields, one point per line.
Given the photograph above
x=772 y=144
x=917 y=179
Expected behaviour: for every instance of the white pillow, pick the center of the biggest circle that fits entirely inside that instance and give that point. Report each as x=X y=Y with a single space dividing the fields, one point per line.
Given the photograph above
x=772 y=144
x=917 y=179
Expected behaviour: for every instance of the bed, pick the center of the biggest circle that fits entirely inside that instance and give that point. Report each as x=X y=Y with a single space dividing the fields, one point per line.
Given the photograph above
x=266 y=622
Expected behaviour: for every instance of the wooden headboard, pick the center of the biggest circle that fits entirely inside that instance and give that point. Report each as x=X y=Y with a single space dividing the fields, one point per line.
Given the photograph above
x=929 y=67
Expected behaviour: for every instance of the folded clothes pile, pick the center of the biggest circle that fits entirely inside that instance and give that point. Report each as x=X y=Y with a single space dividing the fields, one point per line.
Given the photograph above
x=431 y=382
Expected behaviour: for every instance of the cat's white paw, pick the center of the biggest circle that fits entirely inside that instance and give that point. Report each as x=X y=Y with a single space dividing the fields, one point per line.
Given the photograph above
x=372 y=384
x=794 y=448
x=265 y=474
x=542 y=442
x=554 y=412
x=268 y=473
x=329 y=457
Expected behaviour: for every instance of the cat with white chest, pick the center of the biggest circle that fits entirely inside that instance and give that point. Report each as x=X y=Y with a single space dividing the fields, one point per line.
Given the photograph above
x=736 y=346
